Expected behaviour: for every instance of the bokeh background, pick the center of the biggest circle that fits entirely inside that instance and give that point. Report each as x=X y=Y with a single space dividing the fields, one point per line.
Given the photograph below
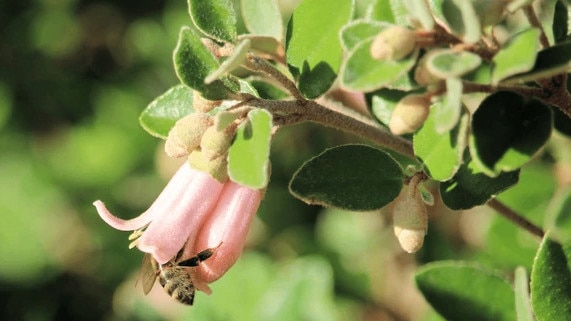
x=74 y=76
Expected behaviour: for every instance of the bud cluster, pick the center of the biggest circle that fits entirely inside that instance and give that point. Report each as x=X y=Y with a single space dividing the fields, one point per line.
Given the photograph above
x=203 y=138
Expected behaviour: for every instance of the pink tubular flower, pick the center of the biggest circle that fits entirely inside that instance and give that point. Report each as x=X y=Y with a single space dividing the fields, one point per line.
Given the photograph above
x=196 y=210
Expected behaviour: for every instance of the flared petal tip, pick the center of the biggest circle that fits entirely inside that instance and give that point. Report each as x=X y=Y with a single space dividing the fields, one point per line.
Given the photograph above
x=120 y=224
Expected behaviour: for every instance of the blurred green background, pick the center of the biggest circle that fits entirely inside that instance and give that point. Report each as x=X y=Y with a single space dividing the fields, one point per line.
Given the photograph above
x=74 y=76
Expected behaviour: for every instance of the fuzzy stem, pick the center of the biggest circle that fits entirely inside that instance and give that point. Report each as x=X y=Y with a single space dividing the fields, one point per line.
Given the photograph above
x=515 y=218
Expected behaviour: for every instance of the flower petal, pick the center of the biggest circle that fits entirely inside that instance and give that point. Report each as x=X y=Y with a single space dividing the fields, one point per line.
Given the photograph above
x=229 y=223
x=120 y=224
x=179 y=213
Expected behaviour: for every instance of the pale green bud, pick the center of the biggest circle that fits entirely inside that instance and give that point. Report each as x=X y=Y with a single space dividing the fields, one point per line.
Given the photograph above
x=186 y=134
x=393 y=43
x=217 y=167
x=215 y=143
x=422 y=74
x=409 y=114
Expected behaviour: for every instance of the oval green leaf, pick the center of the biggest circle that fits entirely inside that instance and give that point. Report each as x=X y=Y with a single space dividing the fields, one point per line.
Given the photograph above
x=193 y=63
x=248 y=158
x=446 y=63
x=461 y=17
x=263 y=18
x=507 y=130
x=551 y=282
x=441 y=154
x=447 y=112
x=549 y=62
x=359 y=30
x=313 y=47
x=464 y=292
x=360 y=72
x=516 y=56
x=470 y=187
x=215 y=18
x=383 y=102
x=352 y=177
x=163 y=112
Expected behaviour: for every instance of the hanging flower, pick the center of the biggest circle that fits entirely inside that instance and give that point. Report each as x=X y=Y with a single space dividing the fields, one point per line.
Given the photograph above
x=199 y=211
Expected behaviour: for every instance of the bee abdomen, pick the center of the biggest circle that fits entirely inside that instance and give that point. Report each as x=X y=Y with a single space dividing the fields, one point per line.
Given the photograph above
x=178 y=285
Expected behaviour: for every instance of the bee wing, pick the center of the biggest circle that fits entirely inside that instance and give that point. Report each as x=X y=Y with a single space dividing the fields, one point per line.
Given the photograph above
x=148 y=273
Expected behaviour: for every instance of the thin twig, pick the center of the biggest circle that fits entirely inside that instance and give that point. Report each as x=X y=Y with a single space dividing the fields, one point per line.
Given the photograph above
x=515 y=217
x=470 y=87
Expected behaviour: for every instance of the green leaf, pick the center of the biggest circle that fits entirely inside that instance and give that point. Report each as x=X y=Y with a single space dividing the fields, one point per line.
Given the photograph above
x=359 y=30
x=315 y=57
x=549 y=62
x=263 y=17
x=383 y=102
x=507 y=130
x=447 y=112
x=380 y=10
x=234 y=61
x=517 y=56
x=522 y=301
x=360 y=72
x=306 y=279
x=163 y=112
x=560 y=22
x=215 y=18
x=446 y=63
x=464 y=292
x=551 y=282
x=419 y=10
x=193 y=63
x=248 y=158
x=462 y=19
x=352 y=177
x=264 y=45
x=558 y=216
x=438 y=152
x=470 y=187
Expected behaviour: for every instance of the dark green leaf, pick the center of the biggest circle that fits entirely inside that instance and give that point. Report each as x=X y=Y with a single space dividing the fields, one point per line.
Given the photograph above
x=463 y=292
x=313 y=48
x=161 y=114
x=248 y=157
x=215 y=18
x=560 y=22
x=507 y=130
x=470 y=187
x=551 y=282
x=353 y=177
x=193 y=63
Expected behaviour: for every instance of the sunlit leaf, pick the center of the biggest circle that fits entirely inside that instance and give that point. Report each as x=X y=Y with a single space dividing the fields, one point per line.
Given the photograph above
x=522 y=300
x=517 y=56
x=215 y=18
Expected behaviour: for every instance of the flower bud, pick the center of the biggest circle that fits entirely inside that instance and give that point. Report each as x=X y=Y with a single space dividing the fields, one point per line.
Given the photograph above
x=185 y=136
x=409 y=114
x=217 y=167
x=215 y=143
x=393 y=43
x=202 y=104
x=410 y=219
x=422 y=74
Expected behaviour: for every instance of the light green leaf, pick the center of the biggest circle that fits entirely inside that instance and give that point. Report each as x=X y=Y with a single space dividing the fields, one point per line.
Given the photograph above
x=465 y=292
x=446 y=63
x=352 y=177
x=264 y=45
x=507 y=131
x=447 y=112
x=383 y=102
x=248 y=158
x=263 y=18
x=549 y=62
x=193 y=63
x=380 y=10
x=161 y=114
x=438 y=152
x=215 y=18
x=315 y=57
x=359 y=30
x=419 y=9
x=551 y=282
x=360 y=72
x=522 y=300
x=232 y=62
x=517 y=56
x=462 y=19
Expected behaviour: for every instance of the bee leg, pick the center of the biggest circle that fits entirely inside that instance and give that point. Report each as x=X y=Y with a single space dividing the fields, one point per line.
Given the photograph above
x=201 y=256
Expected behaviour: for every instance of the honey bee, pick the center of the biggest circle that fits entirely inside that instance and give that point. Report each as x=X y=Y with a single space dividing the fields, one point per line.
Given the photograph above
x=174 y=276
